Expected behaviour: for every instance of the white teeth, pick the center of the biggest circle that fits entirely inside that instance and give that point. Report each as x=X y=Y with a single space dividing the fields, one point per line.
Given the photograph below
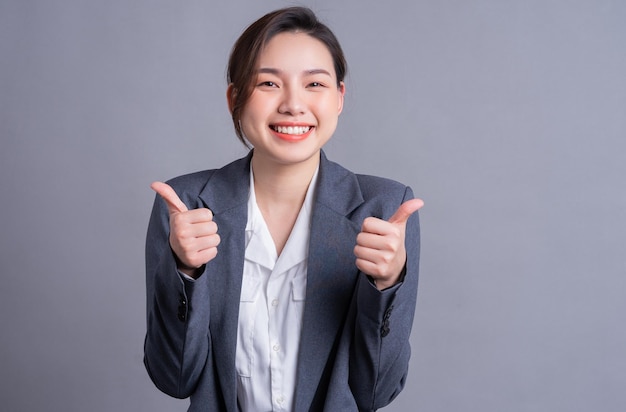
x=295 y=130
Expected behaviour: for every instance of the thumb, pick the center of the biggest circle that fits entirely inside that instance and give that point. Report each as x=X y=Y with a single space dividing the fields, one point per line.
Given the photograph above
x=174 y=204
x=405 y=210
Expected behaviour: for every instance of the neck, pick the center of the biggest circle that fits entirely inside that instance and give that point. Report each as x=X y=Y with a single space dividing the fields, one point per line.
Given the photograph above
x=282 y=184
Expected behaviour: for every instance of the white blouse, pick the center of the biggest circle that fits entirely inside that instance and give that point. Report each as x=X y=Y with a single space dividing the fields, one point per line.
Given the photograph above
x=270 y=310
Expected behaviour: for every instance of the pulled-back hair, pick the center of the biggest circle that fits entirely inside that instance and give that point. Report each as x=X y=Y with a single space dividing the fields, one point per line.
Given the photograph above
x=242 y=64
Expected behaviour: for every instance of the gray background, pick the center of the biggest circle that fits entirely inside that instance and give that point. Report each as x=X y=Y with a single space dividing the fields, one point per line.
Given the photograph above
x=507 y=117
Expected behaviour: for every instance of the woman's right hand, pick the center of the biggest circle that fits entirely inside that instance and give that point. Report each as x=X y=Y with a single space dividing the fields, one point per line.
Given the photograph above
x=193 y=233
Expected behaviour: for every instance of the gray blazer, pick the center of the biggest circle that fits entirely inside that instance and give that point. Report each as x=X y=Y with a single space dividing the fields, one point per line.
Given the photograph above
x=354 y=349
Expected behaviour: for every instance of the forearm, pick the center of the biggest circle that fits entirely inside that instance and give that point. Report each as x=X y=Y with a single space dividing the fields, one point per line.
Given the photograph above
x=381 y=350
x=177 y=343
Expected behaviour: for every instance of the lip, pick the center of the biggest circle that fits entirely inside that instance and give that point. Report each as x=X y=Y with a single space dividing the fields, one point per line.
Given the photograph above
x=292 y=137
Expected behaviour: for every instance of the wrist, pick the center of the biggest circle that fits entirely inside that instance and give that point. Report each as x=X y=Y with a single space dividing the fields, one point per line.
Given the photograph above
x=190 y=271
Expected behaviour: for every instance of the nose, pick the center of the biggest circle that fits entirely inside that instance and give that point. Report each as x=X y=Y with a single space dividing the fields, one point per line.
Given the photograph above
x=292 y=102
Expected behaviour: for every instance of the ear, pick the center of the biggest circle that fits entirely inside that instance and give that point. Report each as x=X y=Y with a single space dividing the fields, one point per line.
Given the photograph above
x=342 y=92
x=231 y=94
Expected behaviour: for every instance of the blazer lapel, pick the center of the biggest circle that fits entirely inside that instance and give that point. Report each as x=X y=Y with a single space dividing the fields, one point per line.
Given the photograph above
x=331 y=276
x=226 y=194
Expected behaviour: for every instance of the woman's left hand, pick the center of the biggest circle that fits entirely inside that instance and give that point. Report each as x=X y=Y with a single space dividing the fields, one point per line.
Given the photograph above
x=380 y=251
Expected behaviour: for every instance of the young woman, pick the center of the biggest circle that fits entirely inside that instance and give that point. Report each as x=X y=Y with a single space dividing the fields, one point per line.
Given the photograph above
x=282 y=281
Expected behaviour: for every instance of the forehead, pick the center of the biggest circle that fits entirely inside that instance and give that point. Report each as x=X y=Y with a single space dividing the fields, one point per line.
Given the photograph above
x=295 y=51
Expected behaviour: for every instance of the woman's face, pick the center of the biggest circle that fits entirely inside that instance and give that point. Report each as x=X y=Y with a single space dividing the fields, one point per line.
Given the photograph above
x=295 y=103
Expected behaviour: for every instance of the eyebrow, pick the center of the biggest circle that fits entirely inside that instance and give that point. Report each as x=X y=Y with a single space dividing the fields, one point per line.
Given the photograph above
x=271 y=70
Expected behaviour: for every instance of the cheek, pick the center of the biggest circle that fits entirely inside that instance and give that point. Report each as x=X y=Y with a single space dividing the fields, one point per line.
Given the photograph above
x=330 y=108
x=252 y=111
x=260 y=105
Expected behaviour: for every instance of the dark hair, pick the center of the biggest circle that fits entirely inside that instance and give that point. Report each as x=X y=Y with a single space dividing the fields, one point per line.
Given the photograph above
x=245 y=53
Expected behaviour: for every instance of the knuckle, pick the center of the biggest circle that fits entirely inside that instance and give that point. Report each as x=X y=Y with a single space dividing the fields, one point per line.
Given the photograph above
x=208 y=255
x=182 y=233
x=388 y=244
x=358 y=251
x=187 y=245
x=386 y=259
x=367 y=222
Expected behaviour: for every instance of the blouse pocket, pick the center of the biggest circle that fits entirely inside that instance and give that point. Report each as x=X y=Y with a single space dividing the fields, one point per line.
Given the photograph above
x=250 y=288
x=298 y=288
x=298 y=296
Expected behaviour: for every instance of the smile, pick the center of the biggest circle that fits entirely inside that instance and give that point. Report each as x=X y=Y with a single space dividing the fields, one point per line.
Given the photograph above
x=292 y=130
x=292 y=133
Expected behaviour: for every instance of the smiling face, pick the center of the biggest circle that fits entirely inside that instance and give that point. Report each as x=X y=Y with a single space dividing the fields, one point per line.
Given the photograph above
x=296 y=100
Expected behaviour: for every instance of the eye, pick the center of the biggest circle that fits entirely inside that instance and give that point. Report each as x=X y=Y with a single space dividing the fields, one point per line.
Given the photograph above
x=268 y=84
x=315 y=84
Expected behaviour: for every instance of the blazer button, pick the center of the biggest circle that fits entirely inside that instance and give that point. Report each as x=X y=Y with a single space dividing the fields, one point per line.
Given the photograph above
x=182 y=309
x=384 y=330
x=388 y=313
x=182 y=313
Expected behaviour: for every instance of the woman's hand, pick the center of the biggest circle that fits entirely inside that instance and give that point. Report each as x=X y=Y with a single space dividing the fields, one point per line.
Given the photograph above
x=193 y=233
x=379 y=250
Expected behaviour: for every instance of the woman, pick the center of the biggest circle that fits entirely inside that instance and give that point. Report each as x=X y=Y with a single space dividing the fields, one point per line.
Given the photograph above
x=282 y=281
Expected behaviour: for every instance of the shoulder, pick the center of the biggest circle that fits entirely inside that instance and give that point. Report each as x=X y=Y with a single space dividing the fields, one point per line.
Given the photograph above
x=382 y=196
x=376 y=186
x=370 y=186
x=192 y=182
x=361 y=195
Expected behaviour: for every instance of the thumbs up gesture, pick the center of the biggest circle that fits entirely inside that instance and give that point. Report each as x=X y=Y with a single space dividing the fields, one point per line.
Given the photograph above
x=193 y=233
x=380 y=251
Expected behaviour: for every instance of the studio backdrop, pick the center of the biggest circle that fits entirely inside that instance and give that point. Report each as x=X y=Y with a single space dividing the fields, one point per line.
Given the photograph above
x=507 y=117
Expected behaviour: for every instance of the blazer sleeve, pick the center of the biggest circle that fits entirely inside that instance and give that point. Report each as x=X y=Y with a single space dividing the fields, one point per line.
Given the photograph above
x=177 y=342
x=380 y=350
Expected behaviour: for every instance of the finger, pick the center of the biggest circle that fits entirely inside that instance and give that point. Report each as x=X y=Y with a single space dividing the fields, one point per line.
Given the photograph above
x=369 y=268
x=174 y=204
x=209 y=242
x=195 y=216
x=186 y=230
x=373 y=255
x=376 y=226
x=200 y=258
x=201 y=243
x=366 y=266
x=375 y=241
x=405 y=210
x=206 y=255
